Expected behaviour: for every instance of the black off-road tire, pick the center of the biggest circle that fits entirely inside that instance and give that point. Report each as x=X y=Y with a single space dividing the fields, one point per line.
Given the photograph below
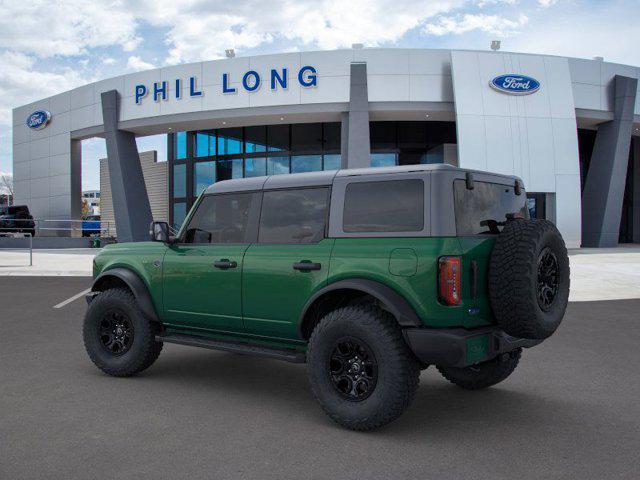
x=484 y=374
x=516 y=268
x=398 y=371
x=143 y=349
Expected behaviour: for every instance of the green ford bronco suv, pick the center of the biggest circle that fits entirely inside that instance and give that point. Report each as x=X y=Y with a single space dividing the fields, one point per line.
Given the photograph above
x=366 y=275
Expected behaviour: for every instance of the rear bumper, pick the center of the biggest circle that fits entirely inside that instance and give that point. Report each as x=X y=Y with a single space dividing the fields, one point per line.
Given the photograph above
x=457 y=347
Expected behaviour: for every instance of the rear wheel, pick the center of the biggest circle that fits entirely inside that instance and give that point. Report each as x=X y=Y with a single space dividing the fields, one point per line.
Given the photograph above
x=360 y=369
x=119 y=339
x=485 y=374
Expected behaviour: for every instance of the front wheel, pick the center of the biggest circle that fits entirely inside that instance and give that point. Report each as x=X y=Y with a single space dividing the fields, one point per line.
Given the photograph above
x=361 y=371
x=484 y=374
x=119 y=339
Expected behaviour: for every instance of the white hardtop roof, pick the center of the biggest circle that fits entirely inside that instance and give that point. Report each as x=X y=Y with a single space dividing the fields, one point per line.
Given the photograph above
x=309 y=179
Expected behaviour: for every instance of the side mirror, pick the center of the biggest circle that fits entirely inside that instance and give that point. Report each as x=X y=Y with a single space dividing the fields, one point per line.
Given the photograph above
x=159 y=232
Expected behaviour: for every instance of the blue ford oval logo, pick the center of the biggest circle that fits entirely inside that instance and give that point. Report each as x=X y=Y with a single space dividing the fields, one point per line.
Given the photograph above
x=38 y=119
x=515 y=84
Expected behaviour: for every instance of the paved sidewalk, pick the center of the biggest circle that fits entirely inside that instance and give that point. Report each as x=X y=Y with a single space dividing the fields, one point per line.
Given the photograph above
x=71 y=262
x=605 y=273
x=596 y=274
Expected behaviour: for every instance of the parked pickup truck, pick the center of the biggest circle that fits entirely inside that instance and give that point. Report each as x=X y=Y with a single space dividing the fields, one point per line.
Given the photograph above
x=17 y=219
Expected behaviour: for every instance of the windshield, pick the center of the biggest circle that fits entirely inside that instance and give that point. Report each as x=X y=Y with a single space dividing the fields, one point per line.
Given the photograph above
x=484 y=209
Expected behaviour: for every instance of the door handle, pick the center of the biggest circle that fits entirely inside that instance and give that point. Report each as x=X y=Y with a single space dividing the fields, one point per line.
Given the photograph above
x=306 y=265
x=225 y=264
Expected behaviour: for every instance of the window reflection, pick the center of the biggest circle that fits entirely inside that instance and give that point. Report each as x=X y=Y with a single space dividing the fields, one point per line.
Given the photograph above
x=228 y=169
x=205 y=144
x=277 y=165
x=229 y=141
x=332 y=162
x=255 y=139
x=181 y=145
x=204 y=174
x=255 y=167
x=180 y=180
x=384 y=159
x=179 y=214
x=306 y=163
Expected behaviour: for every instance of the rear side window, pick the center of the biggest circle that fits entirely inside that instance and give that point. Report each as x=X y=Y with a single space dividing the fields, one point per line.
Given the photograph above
x=294 y=216
x=221 y=219
x=484 y=209
x=391 y=206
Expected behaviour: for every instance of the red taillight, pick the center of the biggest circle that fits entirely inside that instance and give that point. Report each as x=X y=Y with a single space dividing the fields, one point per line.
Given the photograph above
x=449 y=280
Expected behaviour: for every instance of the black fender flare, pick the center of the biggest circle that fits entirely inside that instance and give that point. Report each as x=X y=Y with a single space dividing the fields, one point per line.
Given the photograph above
x=135 y=284
x=390 y=299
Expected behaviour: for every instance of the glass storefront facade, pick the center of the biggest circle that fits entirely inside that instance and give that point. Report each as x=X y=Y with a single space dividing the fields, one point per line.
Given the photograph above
x=200 y=158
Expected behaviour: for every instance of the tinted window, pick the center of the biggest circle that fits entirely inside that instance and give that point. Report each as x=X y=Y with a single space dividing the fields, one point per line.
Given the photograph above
x=229 y=141
x=306 y=137
x=205 y=144
x=180 y=180
x=204 y=174
x=255 y=167
x=294 y=216
x=278 y=137
x=478 y=210
x=306 y=163
x=332 y=162
x=332 y=133
x=179 y=213
x=220 y=219
x=392 y=206
x=228 y=169
x=255 y=139
x=181 y=145
x=277 y=165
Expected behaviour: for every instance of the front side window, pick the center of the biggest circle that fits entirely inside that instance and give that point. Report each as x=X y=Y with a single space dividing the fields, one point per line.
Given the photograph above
x=389 y=206
x=294 y=216
x=484 y=209
x=220 y=219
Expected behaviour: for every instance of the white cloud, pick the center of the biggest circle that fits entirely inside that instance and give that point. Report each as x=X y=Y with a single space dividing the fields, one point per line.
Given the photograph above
x=601 y=33
x=547 y=3
x=491 y=24
x=484 y=3
x=136 y=63
x=21 y=84
x=325 y=24
x=46 y=29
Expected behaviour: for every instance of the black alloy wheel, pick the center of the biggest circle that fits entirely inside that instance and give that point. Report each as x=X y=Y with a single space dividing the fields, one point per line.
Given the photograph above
x=353 y=369
x=548 y=281
x=116 y=332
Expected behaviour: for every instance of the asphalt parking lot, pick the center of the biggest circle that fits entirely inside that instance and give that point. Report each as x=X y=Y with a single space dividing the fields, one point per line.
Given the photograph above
x=571 y=410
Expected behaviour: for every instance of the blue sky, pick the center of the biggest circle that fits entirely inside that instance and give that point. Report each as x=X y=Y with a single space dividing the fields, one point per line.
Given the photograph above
x=50 y=47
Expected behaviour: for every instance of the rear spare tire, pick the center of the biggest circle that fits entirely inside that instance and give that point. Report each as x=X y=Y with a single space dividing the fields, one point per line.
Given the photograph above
x=529 y=278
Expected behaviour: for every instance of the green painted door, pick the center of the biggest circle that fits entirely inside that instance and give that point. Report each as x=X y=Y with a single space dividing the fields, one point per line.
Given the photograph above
x=202 y=273
x=289 y=262
x=202 y=286
x=277 y=281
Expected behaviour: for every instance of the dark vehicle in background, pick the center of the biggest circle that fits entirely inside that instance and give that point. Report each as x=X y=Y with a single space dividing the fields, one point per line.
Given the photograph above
x=17 y=219
x=91 y=225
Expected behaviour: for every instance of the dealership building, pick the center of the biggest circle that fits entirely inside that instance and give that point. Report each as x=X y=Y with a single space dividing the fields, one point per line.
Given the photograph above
x=568 y=127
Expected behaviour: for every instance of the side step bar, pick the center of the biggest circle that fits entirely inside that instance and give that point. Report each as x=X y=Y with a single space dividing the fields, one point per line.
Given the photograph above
x=235 y=347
